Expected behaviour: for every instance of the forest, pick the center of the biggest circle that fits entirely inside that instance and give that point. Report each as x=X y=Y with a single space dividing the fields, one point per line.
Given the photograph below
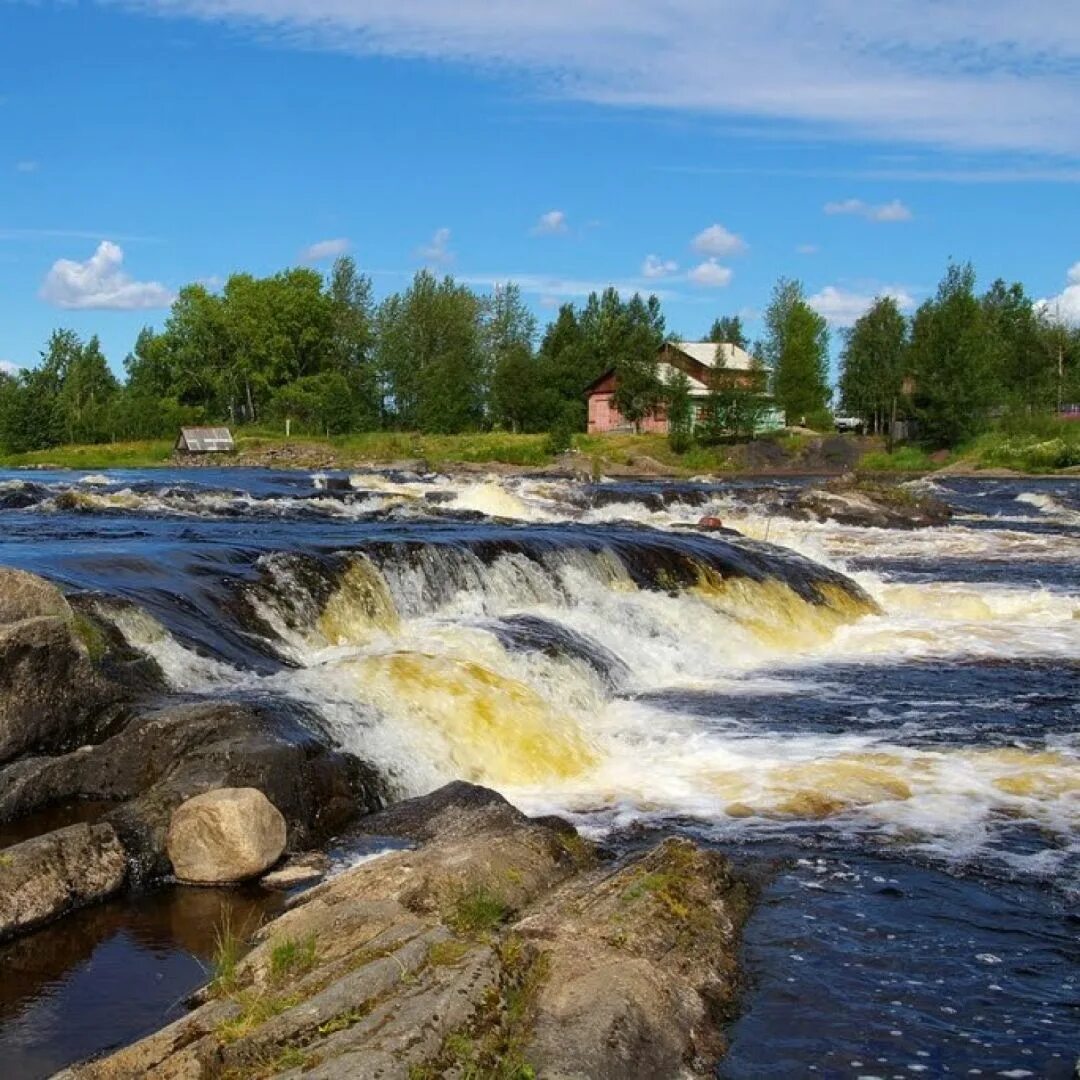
x=440 y=357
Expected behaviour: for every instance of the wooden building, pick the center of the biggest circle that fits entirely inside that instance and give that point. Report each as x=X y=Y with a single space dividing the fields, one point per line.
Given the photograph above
x=205 y=440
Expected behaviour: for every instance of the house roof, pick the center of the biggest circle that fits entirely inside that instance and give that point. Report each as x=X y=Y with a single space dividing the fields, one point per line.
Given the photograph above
x=708 y=352
x=206 y=438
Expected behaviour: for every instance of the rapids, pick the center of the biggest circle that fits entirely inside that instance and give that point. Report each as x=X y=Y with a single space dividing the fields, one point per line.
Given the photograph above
x=889 y=719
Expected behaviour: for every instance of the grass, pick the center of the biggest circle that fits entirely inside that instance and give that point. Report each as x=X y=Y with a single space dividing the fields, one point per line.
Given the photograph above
x=121 y=455
x=447 y=953
x=902 y=459
x=475 y=911
x=1053 y=446
x=229 y=947
x=291 y=958
x=255 y=1009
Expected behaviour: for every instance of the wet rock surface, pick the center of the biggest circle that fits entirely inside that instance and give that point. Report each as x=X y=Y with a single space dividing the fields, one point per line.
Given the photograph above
x=51 y=875
x=53 y=696
x=83 y=718
x=500 y=944
x=848 y=501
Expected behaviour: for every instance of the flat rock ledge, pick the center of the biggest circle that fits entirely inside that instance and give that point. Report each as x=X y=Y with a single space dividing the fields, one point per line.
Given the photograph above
x=501 y=947
x=46 y=877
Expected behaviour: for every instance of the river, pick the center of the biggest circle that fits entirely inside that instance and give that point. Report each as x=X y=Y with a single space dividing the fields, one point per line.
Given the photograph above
x=881 y=725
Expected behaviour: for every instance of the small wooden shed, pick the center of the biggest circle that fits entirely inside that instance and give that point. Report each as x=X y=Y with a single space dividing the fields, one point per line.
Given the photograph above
x=205 y=440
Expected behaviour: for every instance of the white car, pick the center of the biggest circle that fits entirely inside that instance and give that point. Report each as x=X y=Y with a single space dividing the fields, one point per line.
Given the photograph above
x=849 y=424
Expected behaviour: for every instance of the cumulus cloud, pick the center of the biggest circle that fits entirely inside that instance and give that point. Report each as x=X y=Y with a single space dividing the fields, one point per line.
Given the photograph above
x=718 y=241
x=987 y=74
x=325 y=249
x=8 y=368
x=890 y=211
x=551 y=224
x=1065 y=307
x=100 y=283
x=711 y=275
x=437 y=250
x=656 y=267
x=841 y=307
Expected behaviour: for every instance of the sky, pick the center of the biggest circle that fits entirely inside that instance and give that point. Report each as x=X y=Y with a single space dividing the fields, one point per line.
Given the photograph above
x=699 y=149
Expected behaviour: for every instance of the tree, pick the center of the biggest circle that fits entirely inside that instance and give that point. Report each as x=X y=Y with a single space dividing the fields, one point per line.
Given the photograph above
x=564 y=368
x=797 y=348
x=874 y=363
x=352 y=340
x=680 y=412
x=736 y=401
x=1024 y=370
x=430 y=356
x=728 y=330
x=511 y=368
x=954 y=369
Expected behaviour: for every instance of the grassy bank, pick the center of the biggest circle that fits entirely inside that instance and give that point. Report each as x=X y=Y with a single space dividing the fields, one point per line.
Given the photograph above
x=1044 y=451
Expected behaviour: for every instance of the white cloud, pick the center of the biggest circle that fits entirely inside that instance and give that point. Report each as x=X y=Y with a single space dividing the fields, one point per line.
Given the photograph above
x=551 y=224
x=1065 y=307
x=100 y=283
x=841 y=307
x=26 y=166
x=8 y=368
x=325 y=249
x=807 y=249
x=656 y=267
x=711 y=275
x=716 y=240
x=890 y=211
x=961 y=73
x=437 y=250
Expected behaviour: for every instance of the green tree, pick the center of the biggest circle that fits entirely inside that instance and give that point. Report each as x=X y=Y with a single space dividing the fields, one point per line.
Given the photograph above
x=797 y=349
x=680 y=411
x=351 y=351
x=728 y=329
x=511 y=366
x=430 y=356
x=565 y=367
x=874 y=363
x=1022 y=367
x=954 y=367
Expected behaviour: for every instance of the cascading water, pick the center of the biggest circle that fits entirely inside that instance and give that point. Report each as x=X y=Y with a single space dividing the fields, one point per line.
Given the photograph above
x=896 y=709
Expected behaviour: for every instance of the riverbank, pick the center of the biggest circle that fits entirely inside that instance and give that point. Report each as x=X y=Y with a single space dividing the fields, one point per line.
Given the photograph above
x=609 y=455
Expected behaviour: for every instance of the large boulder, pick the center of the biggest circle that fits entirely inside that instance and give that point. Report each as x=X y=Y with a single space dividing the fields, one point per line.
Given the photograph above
x=225 y=836
x=56 y=873
x=53 y=697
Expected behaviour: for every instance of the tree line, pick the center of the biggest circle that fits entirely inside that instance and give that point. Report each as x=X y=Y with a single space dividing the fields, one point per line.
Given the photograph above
x=440 y=357
x=960 y=363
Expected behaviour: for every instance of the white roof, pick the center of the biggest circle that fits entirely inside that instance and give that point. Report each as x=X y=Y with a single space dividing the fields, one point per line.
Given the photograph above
x=706 y=352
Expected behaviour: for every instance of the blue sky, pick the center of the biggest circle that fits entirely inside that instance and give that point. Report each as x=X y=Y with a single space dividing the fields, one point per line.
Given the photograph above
x=695 y=148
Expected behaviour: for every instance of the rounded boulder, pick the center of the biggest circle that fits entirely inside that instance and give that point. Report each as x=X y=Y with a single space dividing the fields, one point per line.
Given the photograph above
x=225 y=836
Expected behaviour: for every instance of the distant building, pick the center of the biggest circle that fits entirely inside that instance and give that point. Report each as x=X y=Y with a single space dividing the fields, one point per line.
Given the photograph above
x=704 y=363
x=205 y=440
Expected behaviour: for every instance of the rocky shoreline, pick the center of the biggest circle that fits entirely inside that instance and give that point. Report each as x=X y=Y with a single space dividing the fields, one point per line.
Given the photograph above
x=498 y=946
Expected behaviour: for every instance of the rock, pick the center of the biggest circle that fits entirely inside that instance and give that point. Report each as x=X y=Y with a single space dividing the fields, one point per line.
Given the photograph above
x=225 y=836
x=710 y=523
x=497 y=948
x=54 y=695
x=50 y=875
x=26 y=596
x=165 y=756
x=299 y=870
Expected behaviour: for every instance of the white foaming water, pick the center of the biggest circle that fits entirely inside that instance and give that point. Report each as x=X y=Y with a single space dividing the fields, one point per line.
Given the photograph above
x=410 y=667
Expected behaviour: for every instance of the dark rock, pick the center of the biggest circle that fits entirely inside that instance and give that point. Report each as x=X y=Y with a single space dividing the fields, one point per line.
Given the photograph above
x=164 y=757
x=454 y=810
x=50 y=875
